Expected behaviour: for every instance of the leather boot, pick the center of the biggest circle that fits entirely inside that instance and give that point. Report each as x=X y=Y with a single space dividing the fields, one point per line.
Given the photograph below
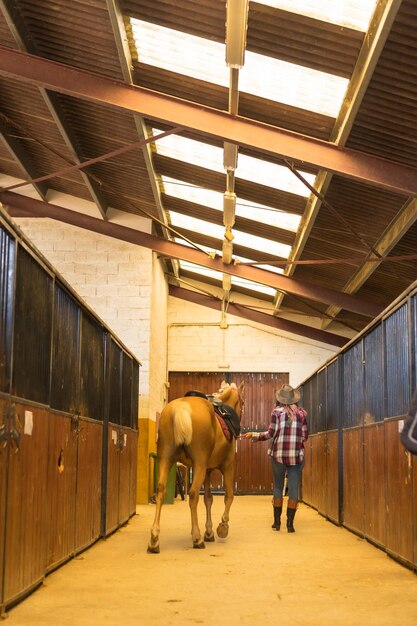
x=291 y=509
x=277 y=502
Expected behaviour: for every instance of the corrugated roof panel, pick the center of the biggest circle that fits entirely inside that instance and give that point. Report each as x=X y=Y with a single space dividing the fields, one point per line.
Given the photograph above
x=77 y=33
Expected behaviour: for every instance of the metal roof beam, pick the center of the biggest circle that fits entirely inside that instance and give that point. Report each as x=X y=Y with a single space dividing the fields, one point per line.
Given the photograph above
x=17 y=28
x=258 y=317
x=126 y=65
x=21 y=157
x=174 y=250
x=372 y=47
x=262 y=137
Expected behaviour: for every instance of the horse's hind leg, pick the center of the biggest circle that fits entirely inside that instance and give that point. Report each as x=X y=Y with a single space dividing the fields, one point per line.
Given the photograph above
x=199 y=473
x=208 y=501
x=223 y=527
x=164 y=467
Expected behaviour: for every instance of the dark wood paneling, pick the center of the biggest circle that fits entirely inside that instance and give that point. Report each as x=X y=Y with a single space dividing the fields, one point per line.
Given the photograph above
x=320 y=467
x=332 y=476
x=62 y=473
x=252 y=466
x=399 y=494
x=88 y=498
x=26 y=528
x=3 y=468
x=307 y=477
x=125 y=453
x=353 y=486
x=315 y=468
x=133 y=464
x=112 y=480
x=374 y=479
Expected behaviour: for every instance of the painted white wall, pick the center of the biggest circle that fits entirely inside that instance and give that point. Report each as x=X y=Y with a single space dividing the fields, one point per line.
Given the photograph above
x=197 y=343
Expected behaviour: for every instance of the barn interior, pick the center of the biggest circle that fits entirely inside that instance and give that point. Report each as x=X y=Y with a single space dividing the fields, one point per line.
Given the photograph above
x=194 y=192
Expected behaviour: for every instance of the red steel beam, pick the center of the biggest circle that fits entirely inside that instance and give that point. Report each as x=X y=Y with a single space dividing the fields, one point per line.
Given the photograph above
x=220 y=124
x=259 y=317
x=178 y=251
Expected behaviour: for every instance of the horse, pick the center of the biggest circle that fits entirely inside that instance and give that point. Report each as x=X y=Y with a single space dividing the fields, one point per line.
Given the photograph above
x=190 y=432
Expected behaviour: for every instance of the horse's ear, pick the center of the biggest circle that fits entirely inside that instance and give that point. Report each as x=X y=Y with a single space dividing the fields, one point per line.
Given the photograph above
x=241 y=387
x=223 y=384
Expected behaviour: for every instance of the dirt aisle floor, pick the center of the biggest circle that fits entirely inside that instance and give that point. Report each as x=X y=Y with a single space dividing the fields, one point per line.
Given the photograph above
x=320 y=575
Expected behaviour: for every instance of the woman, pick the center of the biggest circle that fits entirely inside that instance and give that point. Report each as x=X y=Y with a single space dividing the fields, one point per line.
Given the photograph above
x=288 y=431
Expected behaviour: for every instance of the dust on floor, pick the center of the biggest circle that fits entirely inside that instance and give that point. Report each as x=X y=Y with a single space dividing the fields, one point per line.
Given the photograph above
x=320 y=575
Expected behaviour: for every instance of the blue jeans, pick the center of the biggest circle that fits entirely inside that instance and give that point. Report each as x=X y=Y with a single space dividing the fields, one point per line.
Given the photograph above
x=294 y=477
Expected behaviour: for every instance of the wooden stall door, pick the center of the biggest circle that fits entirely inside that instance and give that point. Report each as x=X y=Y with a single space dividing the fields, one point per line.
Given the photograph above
x=353 y=484
x=399 y=493
x=320 y=474
x=253 y=472
x=374 y=479
x=26 y=523
x=62 y=474
x=306 y=480
x=89 y=475
x=315 y=470
x=3 y=470
x=125 y=455
x=332 y=506
x=133 y=465
x=112 y=480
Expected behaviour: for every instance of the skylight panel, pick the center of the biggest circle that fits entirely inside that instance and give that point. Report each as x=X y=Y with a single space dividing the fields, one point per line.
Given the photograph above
x=355 y=14
x=248 y=168
x=214 y=200
x=236 y=280
x=261 y=76
x=241 y=239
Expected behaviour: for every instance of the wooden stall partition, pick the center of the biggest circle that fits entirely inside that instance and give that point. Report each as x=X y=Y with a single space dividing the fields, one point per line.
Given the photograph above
x=88 y=494
x=306 y=479
x=353 y=486
x=253 y=472
x=112 y=480
x=332 y=506
x=374 y=483
x=315 y=470
x=414 y=464
x=399 y=495
x=125 y=455
x=133 y=465
x=61 y=492
x=3 y=473
x=320 y=459
x=26 y=528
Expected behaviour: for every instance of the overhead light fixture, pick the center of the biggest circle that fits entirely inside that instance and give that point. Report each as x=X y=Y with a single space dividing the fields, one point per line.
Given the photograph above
x=227 y=251
x=229 y=209
x=230 y=156
x=227 y=282
x=236 y=27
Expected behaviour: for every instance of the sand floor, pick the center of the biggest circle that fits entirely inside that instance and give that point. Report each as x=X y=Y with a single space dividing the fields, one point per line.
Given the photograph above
x=320 y=575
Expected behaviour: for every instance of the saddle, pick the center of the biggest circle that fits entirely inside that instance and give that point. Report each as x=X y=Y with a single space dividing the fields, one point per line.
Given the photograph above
x=226 y=416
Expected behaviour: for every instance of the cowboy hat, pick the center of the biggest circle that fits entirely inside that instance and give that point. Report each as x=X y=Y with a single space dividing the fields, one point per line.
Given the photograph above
x=287 y=395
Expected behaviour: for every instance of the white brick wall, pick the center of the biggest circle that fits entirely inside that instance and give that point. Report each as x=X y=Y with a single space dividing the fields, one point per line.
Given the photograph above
x=113 y=277
x=197 y=343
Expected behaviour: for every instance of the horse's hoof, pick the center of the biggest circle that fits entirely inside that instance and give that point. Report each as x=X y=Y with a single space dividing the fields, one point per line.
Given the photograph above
x=223 y=530
x=208 y=537
x=153 y=549
x=199 y=546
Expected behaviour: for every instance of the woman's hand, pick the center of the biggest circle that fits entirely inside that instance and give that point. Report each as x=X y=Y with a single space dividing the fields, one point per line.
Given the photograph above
x=246 y=436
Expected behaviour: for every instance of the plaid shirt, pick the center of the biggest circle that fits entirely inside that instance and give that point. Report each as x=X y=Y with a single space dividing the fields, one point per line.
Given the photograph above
x=288 y=431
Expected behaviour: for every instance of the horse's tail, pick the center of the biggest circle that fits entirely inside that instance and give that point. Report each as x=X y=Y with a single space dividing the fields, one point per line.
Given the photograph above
x=183 y=428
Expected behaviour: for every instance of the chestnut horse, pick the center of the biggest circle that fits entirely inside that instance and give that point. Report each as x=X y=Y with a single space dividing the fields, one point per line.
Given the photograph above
x=189 y=432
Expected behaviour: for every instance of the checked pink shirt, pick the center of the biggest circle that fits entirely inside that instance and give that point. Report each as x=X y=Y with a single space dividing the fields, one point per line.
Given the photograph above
x=288 y=431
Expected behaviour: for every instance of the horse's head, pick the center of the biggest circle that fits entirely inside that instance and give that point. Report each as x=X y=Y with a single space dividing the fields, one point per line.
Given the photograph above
x=232 y=395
